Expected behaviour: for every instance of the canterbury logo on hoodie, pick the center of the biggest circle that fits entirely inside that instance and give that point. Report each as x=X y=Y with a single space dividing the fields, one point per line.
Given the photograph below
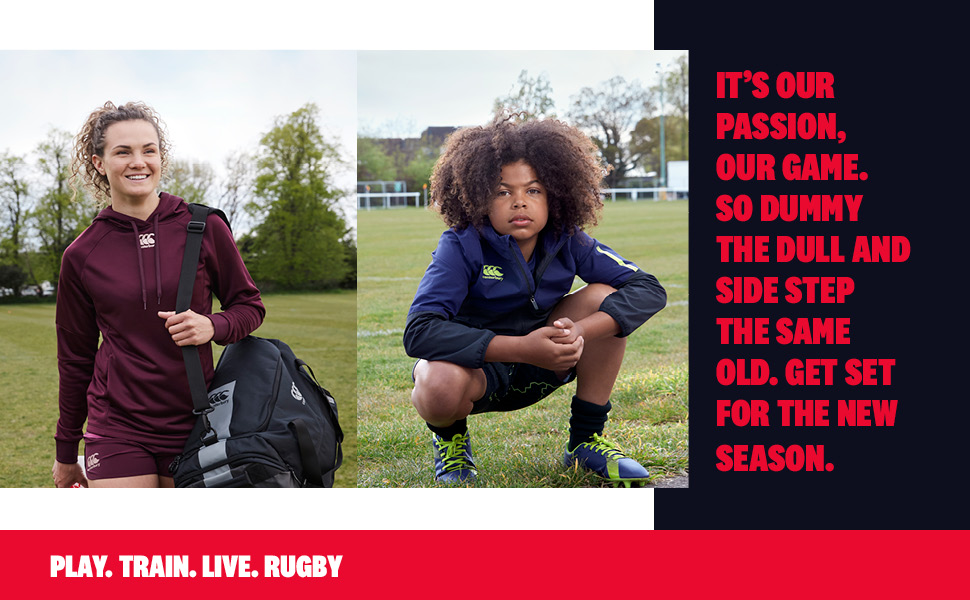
x=491 y=272
x=147 y=240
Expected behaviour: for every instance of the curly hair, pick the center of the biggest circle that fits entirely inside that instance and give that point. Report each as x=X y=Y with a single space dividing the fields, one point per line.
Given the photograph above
x=467 y=175
x=90 y=142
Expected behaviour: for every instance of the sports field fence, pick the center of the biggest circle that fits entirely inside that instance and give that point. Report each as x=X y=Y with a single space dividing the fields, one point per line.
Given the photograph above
x=385 y=200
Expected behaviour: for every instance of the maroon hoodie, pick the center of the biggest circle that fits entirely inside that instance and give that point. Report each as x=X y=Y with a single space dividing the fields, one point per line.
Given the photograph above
x=115 y=277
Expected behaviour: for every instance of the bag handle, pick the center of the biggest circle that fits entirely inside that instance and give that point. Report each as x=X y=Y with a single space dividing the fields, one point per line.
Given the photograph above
x=331 y=403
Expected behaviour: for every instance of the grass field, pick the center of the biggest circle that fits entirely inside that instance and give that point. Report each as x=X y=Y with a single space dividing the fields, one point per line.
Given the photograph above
x=522 y=448
x=319 y=328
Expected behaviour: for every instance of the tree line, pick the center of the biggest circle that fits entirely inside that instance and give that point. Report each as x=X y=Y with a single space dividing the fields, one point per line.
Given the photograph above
x=281 y=197
x=623 y=118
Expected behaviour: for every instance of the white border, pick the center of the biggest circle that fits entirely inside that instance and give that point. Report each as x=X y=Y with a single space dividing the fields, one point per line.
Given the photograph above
x=342 y=25
x=330 y=509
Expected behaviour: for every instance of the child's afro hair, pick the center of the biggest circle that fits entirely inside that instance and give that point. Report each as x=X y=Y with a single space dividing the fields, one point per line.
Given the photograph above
x=467 y=175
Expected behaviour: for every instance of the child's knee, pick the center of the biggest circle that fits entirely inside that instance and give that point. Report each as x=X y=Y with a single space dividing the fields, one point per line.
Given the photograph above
x=443 y=391
x=583 y=302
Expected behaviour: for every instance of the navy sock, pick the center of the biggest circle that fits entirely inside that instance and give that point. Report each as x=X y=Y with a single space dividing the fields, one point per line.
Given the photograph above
x=446 y=433
x=586 y=419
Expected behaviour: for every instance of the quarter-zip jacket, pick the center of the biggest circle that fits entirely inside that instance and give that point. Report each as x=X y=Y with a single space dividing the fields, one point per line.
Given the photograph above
x=115 y=277
x=479 y=285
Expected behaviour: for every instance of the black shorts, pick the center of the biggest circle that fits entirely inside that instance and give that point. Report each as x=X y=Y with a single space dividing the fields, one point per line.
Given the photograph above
x=511 y=386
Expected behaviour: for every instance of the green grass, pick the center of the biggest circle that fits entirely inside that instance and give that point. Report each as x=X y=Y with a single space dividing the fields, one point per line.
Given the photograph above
x=319 y=328
x=521 y=448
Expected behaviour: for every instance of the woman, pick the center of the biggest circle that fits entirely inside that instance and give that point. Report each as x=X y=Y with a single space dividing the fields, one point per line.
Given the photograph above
x=118 y=281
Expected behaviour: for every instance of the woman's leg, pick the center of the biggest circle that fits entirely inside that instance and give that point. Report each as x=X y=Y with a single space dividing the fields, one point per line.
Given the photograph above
x=136 y=481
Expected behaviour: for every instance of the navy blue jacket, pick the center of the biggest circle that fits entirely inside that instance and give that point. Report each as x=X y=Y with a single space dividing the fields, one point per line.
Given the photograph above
x=479 y=285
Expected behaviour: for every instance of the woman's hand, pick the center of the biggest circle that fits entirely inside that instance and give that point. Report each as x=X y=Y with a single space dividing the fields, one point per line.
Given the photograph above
x=188 y=328
x=66 y=475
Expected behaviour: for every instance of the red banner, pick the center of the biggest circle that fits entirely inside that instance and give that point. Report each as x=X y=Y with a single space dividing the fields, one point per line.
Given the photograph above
x=478 y=564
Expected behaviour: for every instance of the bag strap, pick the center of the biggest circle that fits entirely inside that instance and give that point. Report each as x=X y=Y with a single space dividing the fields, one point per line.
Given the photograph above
x=190 y=261
x=190 y=354
x=308 y=454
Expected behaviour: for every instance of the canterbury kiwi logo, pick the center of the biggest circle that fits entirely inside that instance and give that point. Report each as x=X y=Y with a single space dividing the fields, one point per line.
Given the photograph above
x=220 y=396
x=295 y=392
x=491 y=272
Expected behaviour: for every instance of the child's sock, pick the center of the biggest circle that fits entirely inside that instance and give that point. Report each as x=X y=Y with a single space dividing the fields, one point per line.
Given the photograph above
x=586 y=419
x=446 y=433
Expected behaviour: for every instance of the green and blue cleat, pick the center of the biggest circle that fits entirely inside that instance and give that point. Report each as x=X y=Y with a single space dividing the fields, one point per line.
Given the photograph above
x=605 y=459
x=453 y=461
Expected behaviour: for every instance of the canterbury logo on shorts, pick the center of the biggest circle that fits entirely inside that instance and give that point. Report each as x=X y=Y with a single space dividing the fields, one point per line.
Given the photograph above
x=491 y=272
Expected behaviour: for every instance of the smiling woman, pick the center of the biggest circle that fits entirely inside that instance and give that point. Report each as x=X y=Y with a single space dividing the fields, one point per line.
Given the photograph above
x=132 y=390
x=133 y=121
x=132 y=164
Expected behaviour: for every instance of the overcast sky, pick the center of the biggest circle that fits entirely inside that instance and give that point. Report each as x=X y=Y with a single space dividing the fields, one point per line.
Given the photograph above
x=213 y=103
x=401 y=93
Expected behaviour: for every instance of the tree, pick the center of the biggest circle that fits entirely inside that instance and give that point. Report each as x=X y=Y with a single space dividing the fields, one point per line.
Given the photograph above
x=57 y=219
x=677 y=93
x=350 y=259
x=373 y=162
x=417 y=172
x=533 y=97
x=236 y=187
x=297 y=241
x=190 y=180
x=645 y=141
x=608 y=115
x=646 y=135
x=13 y=213
x=12 y=278
x=13 y=195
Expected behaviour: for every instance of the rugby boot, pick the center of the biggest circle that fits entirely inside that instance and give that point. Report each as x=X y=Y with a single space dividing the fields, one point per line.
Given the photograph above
x=453 y=461
x=605 y=459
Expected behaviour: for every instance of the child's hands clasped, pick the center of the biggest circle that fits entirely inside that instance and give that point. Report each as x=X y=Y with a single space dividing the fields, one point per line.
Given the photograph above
x=569 y=331
x=557 y=348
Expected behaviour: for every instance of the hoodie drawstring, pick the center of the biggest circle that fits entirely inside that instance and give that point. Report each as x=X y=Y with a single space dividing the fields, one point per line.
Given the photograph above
x=141 y=266
x=158 y=268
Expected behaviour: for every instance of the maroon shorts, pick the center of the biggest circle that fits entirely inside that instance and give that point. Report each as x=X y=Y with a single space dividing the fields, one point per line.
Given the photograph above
x=107 y=458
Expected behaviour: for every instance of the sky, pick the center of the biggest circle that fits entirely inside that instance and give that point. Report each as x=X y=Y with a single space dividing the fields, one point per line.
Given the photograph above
x=402 y=93
x=212 y=102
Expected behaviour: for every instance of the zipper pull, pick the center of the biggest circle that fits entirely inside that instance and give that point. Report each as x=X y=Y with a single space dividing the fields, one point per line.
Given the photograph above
x=535 y=305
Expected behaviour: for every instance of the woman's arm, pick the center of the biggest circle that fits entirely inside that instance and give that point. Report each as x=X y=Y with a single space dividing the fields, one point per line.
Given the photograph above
x=242 y=307
x=77 y=345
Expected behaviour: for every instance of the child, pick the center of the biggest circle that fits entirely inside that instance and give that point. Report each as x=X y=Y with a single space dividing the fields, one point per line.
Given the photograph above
x=493 y=322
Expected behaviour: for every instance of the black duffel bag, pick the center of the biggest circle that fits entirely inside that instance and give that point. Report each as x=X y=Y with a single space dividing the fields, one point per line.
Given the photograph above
x=265 y=421
x=271 y=424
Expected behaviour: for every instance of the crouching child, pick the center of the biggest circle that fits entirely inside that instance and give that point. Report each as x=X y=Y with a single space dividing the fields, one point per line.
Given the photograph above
x=493 y=322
